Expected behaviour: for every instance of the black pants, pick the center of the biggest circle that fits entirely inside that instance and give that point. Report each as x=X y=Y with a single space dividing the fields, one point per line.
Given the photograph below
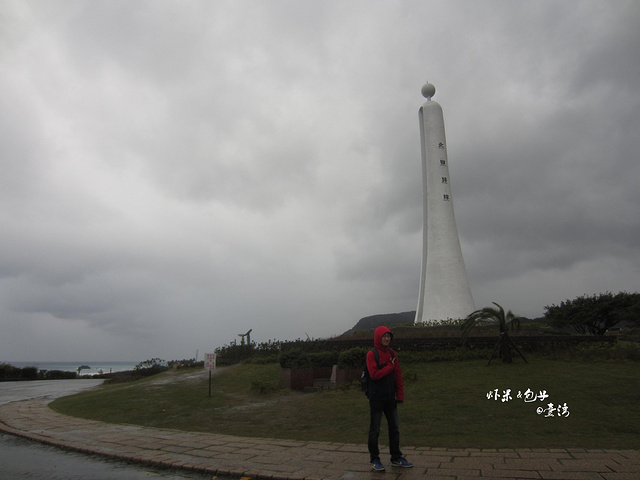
x=390 y=410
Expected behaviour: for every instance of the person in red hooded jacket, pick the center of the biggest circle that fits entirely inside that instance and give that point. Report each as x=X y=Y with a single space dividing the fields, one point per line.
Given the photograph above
x=385 y=391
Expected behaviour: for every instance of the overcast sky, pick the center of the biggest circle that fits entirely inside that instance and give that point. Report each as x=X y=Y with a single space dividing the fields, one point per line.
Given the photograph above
x=173 y=173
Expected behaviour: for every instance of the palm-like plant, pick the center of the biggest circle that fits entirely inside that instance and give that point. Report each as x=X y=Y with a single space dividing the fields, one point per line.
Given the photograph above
x=505 y=321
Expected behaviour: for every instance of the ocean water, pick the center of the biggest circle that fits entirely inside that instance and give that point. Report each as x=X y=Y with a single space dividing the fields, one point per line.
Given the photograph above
x=95 y=367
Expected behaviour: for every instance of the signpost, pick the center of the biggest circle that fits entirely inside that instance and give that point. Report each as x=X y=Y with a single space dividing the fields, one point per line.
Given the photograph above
x=210 y=364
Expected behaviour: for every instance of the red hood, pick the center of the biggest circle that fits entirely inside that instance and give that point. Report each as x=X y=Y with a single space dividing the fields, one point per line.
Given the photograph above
x=377 y=338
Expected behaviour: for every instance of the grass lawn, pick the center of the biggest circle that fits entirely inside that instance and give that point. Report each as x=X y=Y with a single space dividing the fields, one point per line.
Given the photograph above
x=446 y=405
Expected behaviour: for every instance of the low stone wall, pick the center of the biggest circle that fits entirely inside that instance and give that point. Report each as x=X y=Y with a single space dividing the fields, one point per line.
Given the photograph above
x=532 y=342
x=304 y=379
x=341 y=376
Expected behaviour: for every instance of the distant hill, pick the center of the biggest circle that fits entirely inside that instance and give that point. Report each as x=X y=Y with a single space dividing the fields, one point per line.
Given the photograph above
x=387 y=319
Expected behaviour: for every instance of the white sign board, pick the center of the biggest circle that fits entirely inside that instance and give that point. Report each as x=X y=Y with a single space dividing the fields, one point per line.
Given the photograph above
x=210 y=361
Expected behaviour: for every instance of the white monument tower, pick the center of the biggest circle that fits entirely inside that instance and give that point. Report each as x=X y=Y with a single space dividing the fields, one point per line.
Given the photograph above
x=444 y=287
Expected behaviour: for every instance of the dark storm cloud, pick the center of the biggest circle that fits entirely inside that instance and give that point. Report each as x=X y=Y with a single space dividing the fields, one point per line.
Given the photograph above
x=175 y=173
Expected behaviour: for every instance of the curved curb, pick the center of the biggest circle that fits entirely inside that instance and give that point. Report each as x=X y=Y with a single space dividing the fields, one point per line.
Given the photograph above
x=262 y=458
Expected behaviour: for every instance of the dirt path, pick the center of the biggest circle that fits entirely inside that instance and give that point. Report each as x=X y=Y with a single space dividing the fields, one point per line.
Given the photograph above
x=189 y=376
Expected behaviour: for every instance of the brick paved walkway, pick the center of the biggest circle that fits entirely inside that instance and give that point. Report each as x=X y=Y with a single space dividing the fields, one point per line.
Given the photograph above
x=287 y=459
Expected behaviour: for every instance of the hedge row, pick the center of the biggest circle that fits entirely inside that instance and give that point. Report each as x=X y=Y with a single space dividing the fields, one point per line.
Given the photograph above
x=10 y=373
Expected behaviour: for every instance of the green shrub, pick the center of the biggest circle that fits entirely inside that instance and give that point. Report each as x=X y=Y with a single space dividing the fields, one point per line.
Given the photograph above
x=263 y=360
x=356 y=357
x=616 y=351
x=231 y=354
x=295 y=358
x=626 y=351
x=299 y=358
x=263 y=387
x=353 y=358
x=459 y=354
x=324 y=359
x=56 y=375
x=9 y=372
x=185 y=363
x=150 y=367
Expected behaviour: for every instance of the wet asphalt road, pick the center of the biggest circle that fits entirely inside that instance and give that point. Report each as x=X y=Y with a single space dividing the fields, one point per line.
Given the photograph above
x=25 y=459
x=13 y=391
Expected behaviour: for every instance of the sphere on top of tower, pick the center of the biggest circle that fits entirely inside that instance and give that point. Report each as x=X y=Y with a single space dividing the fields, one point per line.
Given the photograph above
x=428 y=90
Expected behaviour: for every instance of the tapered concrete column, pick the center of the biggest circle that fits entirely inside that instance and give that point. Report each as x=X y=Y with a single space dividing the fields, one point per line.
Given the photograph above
x=444 y=288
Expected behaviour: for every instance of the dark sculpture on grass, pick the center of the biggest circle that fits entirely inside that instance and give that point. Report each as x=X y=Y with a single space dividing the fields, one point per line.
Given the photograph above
x=505 y=321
